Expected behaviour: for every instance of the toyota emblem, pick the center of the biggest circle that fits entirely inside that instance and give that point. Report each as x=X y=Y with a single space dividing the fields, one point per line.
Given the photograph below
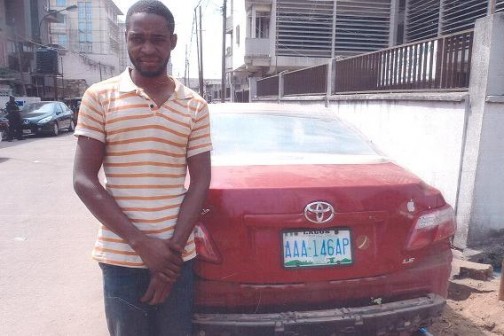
x=319 y=212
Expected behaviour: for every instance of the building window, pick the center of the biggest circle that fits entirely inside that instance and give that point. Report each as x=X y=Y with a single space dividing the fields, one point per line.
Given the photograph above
x=238 y=35
x=85 y=26
x=86 y=47
x=262 y=25
x=61 y=3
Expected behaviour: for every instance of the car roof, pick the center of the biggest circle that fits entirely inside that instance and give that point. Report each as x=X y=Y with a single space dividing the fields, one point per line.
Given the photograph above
x=273 y=109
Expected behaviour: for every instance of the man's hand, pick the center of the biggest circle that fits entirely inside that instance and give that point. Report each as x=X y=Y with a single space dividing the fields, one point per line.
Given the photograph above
x=162 y=257
x=158 y=290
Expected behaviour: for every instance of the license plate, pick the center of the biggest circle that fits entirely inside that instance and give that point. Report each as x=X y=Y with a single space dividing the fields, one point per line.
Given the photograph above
x=308 y=248
x=26 y=131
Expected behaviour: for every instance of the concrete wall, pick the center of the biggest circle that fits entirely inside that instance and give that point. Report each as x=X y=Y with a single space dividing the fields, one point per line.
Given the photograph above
x=488 y=196
x=76 y=66
x=481 y=212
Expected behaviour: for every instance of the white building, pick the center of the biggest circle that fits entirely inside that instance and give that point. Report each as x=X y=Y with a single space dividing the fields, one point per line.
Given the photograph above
x=90 y=40
x=266 y=37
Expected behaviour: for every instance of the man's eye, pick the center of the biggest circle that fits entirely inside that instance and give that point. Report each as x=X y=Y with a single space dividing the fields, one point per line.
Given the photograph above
x=158 y=39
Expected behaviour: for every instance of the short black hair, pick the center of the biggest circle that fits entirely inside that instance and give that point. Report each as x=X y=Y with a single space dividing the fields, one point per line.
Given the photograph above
x=151 y=7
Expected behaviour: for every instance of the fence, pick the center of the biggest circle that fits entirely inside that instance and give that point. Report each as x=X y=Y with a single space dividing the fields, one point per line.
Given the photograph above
x=311 y=79
x=268 y=86
x=440 y=63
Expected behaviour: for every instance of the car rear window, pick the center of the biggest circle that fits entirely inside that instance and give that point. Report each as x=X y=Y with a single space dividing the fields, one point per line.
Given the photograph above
x=293 y=139
x=35 y=109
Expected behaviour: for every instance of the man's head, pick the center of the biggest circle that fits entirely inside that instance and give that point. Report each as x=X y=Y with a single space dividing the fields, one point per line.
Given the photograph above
x=12 y=99
x=151 y=7
x=150 y=37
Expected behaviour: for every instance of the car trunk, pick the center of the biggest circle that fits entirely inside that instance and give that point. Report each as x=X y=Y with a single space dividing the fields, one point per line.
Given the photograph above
x=250 y=208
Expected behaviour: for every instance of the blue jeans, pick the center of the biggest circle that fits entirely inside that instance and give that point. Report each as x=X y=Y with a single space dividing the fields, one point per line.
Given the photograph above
x=127 y=316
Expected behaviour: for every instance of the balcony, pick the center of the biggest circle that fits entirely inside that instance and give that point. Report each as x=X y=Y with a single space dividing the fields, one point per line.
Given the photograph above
x=257 y=47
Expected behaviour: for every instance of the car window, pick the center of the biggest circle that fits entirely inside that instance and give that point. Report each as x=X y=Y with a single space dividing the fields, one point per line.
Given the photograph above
x=59 y=108
x=280 y=135
x=35 y=109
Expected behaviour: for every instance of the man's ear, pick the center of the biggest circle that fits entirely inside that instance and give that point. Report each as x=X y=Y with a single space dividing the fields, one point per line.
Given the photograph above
x=174 y=39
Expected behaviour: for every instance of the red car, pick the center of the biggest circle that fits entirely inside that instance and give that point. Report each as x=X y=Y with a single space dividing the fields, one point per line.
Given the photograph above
x=309 y=230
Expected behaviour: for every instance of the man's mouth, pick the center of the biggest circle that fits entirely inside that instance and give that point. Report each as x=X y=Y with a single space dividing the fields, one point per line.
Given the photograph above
x=149 y=61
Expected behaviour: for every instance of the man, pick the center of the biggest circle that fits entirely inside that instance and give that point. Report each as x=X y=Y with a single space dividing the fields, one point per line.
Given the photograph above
x=146 y=129
x=15 y=120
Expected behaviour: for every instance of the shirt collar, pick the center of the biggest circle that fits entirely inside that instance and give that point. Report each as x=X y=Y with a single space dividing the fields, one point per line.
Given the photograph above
x=126 y=85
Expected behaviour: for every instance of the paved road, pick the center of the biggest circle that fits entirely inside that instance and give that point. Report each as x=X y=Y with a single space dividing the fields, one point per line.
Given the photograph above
x=49 y=285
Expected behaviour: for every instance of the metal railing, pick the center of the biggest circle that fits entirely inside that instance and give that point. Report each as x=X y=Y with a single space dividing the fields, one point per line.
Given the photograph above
x=306 y=81
x=442 y=63
x=268 y=86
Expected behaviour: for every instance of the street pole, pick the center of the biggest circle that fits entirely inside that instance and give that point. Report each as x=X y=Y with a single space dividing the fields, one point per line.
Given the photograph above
x=185 y=67
x=20 y=66
x=202 y=89
x=62 y=79
x=223 y=78
x=198 y=48
x=55 y=87
x=39 y=41
x=51 y=12
x=330 y=79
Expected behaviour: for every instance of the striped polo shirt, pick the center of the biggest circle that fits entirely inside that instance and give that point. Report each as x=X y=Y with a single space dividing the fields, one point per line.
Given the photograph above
x=146 y=151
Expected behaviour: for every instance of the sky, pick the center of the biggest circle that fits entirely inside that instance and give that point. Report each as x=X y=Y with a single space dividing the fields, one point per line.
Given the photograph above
x=183 y=11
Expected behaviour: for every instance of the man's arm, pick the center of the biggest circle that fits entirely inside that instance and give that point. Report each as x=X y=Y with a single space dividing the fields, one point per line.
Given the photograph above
x=155 y=253
x=190 y=211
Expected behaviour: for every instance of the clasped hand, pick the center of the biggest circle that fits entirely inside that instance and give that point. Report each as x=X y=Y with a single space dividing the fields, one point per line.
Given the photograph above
x=164 y=260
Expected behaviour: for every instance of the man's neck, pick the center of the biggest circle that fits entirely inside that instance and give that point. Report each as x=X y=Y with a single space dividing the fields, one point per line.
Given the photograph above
x=151 y=83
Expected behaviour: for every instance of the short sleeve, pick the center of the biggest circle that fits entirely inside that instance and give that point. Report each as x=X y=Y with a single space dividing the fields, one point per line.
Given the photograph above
x=200 y=139
x=91 y=120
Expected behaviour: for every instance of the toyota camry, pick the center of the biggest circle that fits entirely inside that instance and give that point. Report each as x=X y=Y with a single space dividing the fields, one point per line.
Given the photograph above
x=310 y=230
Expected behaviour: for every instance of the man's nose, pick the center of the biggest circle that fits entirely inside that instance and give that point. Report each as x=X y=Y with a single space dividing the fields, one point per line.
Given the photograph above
x=148 y=47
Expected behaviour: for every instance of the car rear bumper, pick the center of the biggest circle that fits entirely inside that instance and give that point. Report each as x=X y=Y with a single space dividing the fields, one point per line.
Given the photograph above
x=406 y=315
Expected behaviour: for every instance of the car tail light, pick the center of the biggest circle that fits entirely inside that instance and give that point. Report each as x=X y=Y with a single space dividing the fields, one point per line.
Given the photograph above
x=432 y=226
x=205 y=247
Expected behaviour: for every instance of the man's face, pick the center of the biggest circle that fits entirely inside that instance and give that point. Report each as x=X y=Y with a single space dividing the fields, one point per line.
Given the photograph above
x=150 y=43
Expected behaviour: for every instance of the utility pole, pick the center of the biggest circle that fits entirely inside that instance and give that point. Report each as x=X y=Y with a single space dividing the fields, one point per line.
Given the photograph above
x=18 y=54
x=202 y=89
x=223 y=78
x=186 y=65
x=199 y=48
x=330 y=79
x=197 y=39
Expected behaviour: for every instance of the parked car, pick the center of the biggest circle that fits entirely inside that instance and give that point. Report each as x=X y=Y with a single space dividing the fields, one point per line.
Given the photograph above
x=4 y=125
x=309 y=230
x=47 y=117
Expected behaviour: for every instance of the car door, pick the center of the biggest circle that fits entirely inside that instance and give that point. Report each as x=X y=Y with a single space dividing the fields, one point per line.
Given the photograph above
x=61 y=116
x=68 y=114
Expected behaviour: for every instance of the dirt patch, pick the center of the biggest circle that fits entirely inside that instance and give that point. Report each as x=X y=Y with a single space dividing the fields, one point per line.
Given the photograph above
x=472 y=309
